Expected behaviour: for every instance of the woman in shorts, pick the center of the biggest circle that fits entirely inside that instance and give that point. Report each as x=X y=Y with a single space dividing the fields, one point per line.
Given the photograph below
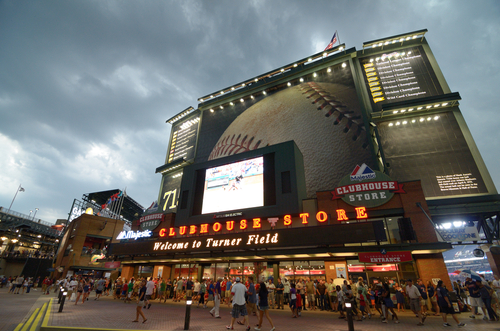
x=140 y=303
x=386 y=295
x=79 y=290
x=445 y=304
x=86 y=291
x=264 y=306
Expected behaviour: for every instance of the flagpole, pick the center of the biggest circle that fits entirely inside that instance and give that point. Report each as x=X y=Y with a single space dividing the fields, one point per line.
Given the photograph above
x=338 y=38
x=18 y=189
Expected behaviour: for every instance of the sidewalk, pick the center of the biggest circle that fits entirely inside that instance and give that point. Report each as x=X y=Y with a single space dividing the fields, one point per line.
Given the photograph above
x=16 y=308
x=113 y=314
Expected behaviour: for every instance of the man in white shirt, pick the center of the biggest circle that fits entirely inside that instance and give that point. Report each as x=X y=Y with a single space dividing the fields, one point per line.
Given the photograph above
x=414 y=294
x=72 y=286
x=270 y=293
x=150 y=287
x=238 y=291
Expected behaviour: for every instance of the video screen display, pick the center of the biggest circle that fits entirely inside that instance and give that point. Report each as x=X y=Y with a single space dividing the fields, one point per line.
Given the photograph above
x=234 y=186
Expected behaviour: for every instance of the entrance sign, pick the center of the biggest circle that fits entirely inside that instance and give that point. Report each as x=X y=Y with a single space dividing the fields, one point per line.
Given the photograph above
x=387 y=257
x=366 y=187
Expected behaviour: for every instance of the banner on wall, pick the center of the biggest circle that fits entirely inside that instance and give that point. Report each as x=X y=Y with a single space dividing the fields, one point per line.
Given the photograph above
x=340 y=270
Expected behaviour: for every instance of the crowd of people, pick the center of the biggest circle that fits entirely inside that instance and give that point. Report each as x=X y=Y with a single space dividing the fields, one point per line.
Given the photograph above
x=359 y=299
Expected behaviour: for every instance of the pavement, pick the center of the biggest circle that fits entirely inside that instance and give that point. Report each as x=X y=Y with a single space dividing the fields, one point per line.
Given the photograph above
x=16 y=308
x=109 y=314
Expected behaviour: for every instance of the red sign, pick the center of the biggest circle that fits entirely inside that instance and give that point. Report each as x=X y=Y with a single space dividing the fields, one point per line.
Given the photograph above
x=112 y=265
x=388 y=257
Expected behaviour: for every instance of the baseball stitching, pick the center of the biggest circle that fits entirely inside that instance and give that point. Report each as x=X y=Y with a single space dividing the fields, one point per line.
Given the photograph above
x=332 y=106
x=231 y=145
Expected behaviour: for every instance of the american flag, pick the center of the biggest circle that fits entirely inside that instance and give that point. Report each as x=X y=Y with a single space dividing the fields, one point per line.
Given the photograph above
x=332 y=42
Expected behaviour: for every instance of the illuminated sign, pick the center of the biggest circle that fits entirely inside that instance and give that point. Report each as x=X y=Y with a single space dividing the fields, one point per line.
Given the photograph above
x=210 y=242
x=398 y=76
x=183 y=142
x=385 y=257
x=134 y=235
x=256 y=223
x=370 y=188
x=75 y=213
x=305 y=236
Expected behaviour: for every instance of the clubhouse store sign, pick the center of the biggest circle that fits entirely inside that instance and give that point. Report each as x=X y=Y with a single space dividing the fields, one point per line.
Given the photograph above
x=366 y=187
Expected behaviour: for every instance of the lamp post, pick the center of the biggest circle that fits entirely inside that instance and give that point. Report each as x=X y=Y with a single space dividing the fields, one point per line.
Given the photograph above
x=29 y=216
x=62 y=301
x=36 y=209
x=189 y=302
x=350 y=324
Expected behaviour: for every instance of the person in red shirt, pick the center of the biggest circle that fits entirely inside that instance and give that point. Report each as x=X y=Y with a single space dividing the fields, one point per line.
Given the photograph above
x=223 y=290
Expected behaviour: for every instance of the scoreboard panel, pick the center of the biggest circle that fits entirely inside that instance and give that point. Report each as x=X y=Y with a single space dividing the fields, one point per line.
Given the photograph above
x=398 y=76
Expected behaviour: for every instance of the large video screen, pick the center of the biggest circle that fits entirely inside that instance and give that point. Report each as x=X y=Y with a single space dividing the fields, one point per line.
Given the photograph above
x=237 y=185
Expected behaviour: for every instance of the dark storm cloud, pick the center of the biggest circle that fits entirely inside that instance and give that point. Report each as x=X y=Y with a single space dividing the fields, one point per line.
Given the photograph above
x=86 y=86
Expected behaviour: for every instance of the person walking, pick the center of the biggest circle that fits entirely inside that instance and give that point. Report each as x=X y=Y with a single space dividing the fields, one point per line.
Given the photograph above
x=99 y=288
x=217 y=296
x=264 y=307
x=414 y=294
x=445 y=304
x=293 y=300
x=201 y=293
x=486 y=294
x=432 y=297
x=141 y=301
x=386 y=294
x=150 y=287
x=238 y=291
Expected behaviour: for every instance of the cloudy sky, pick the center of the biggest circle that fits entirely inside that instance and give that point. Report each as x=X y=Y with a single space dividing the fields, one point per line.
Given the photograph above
x=86 y=86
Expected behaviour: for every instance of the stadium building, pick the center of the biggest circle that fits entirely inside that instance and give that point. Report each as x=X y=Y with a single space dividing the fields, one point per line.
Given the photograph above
x=343 y=164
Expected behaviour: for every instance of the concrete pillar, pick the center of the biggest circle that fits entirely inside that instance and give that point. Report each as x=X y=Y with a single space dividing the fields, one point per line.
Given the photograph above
x=276 y=272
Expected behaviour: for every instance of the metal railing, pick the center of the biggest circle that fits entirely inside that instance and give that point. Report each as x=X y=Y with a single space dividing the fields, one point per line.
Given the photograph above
x=24 y=216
